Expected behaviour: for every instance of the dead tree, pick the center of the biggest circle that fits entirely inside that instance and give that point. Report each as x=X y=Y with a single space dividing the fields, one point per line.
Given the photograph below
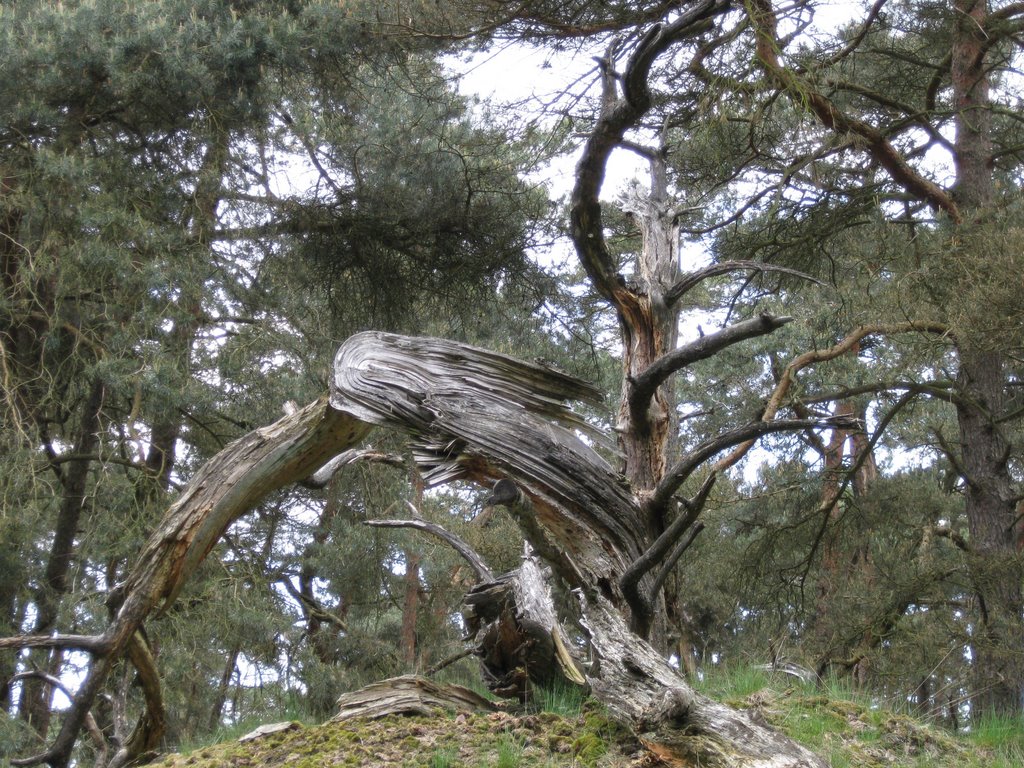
x=472 y=415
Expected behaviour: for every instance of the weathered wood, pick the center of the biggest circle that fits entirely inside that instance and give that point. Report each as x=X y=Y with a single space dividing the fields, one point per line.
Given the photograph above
x=408 y=695
x=513 y=624
x=270 y=729
x=227 y=486
x=464 y=407
x=231 y=484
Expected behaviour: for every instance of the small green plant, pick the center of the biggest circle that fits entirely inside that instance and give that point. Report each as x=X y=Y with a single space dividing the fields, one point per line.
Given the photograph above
x=510 y=751
x=442 y=758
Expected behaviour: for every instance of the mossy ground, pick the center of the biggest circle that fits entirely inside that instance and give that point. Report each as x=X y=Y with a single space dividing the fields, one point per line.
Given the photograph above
x=850 y=732
x=449 y=740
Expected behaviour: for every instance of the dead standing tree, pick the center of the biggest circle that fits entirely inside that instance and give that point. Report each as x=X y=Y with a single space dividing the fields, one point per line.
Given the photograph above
x=473 y=415
x=487 y=418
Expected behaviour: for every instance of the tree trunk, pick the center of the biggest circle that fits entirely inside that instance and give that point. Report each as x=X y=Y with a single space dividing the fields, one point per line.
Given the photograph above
x=36 y=696
x=993 y=558
x=843 y=557
x=221 y=696
x=996 y=568
x=411 y=598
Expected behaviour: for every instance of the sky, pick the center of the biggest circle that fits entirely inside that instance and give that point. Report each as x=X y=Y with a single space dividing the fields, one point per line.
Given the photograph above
x=530 y=76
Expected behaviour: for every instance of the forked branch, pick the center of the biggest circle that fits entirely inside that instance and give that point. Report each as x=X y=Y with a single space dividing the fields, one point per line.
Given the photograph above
x=800 y=362
x=643 y=387
x=681 y=470
x=691 y=280
x=618 y=115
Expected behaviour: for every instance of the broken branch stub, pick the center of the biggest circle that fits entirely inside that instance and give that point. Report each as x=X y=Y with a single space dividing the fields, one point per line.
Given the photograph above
x=483 y=416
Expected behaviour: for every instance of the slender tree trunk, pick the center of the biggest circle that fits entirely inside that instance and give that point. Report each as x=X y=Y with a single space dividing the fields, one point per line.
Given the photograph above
x=410 y=608
x=221 y=696
x=34 y=707
x=841 y=561
x=411 y=599
x=990 y=506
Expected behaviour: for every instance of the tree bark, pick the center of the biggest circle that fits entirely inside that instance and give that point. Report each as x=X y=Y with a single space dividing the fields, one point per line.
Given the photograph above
x=842 y=557
x=996 y=566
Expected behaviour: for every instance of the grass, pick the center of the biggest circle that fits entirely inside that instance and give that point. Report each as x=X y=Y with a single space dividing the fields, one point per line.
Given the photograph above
x=730 y=682
x=1002 y=738
x=854 y=730
x=562 y=699
x=442 y=758
x=510 y=751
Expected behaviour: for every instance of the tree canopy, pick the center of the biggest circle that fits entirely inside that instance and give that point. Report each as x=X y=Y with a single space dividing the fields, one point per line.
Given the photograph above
x=794 y=343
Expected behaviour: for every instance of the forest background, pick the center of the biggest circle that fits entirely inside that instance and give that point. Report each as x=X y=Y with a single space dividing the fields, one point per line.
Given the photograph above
x=170 y=282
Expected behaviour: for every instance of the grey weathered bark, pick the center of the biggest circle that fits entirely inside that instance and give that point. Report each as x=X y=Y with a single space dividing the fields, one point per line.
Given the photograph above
x=511 y=623
x=481 y=416
x=228 y=486
x=408 y=695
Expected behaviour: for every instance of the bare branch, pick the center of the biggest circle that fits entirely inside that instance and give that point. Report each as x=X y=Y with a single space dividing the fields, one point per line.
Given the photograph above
x=322 y=477
x=149 y=730
x=936 y=389
x=449 y=660
x=656 y=552
x=643 y=387
x=857 y=39
x=689 y=281
x=953 y=457
x=224 y=489
x=90 y=722
x=673 y=558
x=483 y=573
x=315 y=610
x=954 y=536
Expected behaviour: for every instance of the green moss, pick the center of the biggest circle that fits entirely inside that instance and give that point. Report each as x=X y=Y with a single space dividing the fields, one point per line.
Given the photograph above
x=847 y=731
